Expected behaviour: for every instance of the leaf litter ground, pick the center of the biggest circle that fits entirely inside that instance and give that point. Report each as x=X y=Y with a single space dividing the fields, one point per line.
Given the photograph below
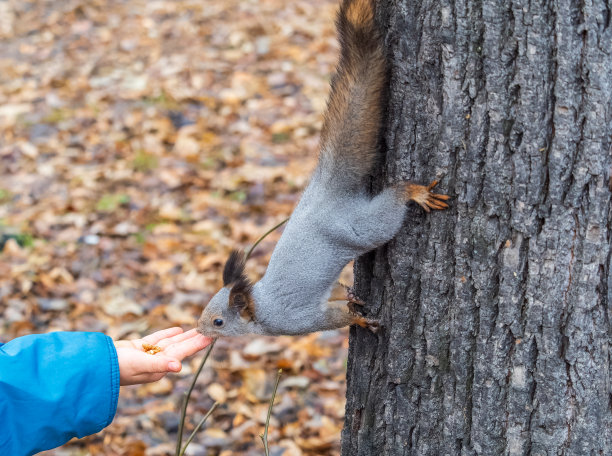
x=140 y=142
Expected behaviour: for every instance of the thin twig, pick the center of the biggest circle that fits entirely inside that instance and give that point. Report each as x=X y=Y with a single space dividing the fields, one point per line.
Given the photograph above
x=179 y=437
x=197 y=428
x=248 y=254
x=186 y=396
x=264 y=436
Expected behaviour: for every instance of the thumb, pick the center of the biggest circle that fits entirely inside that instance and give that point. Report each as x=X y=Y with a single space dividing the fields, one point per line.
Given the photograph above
x=161 y=364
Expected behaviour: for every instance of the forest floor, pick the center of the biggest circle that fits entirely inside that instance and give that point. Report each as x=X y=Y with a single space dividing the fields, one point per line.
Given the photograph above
x=141 y=141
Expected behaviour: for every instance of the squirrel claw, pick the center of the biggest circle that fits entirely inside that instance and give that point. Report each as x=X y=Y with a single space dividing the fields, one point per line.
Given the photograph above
x=352 y=298
x=423 y=196
x=352 y=302
x=372 y=325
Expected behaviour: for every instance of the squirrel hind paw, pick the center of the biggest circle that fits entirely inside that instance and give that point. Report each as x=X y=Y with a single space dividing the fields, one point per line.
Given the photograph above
x=424 y=197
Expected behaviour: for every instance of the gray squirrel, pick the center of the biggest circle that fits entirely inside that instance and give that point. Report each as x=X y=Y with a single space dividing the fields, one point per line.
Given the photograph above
x=337 y=219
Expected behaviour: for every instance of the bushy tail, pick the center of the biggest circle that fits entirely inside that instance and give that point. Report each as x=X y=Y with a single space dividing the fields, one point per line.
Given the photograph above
x=354 y=111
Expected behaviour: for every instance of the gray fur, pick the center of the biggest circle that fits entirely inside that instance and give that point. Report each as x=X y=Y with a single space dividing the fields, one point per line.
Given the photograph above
x=330 y=227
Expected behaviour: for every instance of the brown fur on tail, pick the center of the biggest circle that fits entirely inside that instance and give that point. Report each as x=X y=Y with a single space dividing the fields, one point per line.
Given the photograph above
x=354 y=111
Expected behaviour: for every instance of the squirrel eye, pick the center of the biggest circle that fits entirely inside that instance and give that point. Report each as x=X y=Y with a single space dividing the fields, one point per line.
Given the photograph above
x=218 y=322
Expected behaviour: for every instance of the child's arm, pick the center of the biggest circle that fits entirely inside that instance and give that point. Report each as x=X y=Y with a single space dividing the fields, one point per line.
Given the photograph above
x=54 y=387
x=57 y=386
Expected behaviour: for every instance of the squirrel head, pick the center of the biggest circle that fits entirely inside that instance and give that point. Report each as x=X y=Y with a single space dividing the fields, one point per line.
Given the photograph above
x=231 y=312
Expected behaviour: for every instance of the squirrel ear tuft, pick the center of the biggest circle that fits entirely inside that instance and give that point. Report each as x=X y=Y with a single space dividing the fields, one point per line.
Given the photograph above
x=242 y=302
x=234 y=276
x=234 y=267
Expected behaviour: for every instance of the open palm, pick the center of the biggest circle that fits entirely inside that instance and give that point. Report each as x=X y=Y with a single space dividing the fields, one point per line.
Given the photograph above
x=136 y=366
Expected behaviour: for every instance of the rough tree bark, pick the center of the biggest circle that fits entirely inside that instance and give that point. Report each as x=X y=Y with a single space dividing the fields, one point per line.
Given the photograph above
x=496 y=313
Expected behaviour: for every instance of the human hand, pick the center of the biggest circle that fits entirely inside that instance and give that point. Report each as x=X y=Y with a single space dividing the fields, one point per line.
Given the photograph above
x=136 y=366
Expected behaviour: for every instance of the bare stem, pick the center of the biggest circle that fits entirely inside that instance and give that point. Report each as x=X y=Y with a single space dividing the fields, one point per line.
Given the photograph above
x=179 y=437
x=264 y=436
x=197 y=428
x=248 y=254
x=186 y=396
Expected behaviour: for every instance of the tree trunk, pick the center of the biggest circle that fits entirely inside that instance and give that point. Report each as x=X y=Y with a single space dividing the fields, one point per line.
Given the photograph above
x=496 y=312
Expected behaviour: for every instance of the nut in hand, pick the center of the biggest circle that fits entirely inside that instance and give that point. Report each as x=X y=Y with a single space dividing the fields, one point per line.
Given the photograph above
x=151 y=349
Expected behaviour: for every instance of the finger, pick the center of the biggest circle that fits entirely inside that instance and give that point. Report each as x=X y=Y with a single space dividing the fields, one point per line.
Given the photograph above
x=177 y=338
x=163 y=334
x=188 y=347
x=143 y=378
x=148 y=364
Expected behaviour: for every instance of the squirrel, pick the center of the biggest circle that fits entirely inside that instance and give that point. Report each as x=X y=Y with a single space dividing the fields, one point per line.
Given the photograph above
x=336 y=219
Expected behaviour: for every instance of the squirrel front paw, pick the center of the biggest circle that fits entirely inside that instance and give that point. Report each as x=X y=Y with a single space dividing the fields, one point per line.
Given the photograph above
x=423 y=196
x=372 y=325
x=352 y=302
x=353 y=299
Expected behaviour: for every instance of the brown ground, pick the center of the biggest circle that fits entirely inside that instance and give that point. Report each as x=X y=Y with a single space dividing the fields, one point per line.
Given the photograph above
x=140 y=141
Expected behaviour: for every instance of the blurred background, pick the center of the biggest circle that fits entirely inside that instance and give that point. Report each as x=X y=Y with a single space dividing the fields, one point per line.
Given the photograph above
x=140 y=141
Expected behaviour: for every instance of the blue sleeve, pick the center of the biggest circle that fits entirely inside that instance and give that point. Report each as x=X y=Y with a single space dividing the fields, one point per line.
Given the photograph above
x=54 y=387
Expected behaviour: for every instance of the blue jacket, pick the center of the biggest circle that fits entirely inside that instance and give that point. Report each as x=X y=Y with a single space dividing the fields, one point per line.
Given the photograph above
x=54 y=387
